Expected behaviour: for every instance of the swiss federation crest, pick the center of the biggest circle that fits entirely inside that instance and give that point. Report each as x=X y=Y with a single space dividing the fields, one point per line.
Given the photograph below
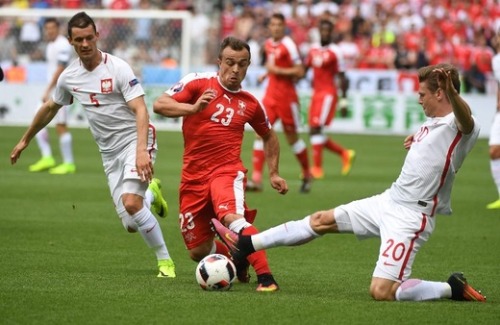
x=241 y=107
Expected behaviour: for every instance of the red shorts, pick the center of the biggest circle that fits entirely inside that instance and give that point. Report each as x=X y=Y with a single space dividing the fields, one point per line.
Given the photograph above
x=286 y=109
x=200 y=202
x=322 y=109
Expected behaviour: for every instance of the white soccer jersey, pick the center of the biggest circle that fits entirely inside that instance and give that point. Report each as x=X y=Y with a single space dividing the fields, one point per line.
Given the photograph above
x=57 y=52
x=437 y=152
x=495 y=64
x=103 y=93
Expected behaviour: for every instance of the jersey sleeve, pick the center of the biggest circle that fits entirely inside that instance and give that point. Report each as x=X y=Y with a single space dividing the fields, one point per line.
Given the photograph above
x=186 y=90
x=496 y=67
x=64 y=53
x=61 y=95
x=129 y=85
x=260 y=122
x=293 y=51
x=340 y=57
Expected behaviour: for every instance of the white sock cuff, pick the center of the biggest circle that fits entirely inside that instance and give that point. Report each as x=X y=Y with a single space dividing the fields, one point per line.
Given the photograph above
x=238 y=225
x=318 y=139
x=299 y=146
x=258 y=145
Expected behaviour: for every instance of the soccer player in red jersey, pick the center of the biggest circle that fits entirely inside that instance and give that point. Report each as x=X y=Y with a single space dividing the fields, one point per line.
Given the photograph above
x=215 y=110
x=284 y=68
x=327 y=63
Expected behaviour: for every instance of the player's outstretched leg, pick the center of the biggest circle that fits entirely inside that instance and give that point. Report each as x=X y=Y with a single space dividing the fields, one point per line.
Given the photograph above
x=462 y=290
x=240 y=246
x=241 y=257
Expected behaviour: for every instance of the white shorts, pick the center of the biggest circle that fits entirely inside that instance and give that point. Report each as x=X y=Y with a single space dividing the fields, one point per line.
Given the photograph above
x=61 y=115
x=402 y=232
x=495 y=130
x=121 y=167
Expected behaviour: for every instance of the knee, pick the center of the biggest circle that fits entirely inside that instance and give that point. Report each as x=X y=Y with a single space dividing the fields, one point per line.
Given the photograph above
x=132 y=204
x=198 y=253
x=381 y=293
x=494 y=152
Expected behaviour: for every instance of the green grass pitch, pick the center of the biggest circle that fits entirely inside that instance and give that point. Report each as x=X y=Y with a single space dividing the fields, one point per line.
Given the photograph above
x=66 y=259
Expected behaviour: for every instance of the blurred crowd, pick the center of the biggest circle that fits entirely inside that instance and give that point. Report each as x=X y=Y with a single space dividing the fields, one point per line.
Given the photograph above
x=373 y=34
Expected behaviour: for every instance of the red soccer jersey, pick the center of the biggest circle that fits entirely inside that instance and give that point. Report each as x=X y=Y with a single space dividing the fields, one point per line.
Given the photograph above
x=283 y=54
x=213 y=137
x=326 y=62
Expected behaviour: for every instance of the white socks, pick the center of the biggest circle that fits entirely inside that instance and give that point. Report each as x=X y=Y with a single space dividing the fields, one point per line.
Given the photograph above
x=66 y=145
x=418 y=290
x=150 y=230
x=495 y=172
x=42 y=138
x=287 y=234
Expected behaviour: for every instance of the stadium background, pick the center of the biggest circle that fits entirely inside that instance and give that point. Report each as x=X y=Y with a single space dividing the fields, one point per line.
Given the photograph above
x=384 y=43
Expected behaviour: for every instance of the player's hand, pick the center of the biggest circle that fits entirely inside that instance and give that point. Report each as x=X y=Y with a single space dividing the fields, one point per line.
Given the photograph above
x=144 y=166
x=16 y=152
x=261 y=78
x=203 y=101
x=279 y=184
x=445 y=82
x=408 y=141
x=342 y=105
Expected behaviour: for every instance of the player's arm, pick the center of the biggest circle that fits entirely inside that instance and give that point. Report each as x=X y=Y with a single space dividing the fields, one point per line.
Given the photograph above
x=167 y=106
x=344 y=85
x=294 y=72
x=272 y=153
x=462 y=111
x=43 y=117
x=143 y=162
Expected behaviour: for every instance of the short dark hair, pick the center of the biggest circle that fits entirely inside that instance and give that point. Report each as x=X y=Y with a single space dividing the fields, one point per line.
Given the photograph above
x=51 y=20
x=80 y=20
x=326 y=22
x=279 y=16
x=235 y=44
x=427 y=74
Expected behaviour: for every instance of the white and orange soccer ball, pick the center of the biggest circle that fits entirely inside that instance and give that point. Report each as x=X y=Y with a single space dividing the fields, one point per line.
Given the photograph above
x=215 y=272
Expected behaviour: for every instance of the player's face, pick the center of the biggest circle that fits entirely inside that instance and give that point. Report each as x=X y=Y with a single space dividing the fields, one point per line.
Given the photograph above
x=325 y=33
x=428 y=100
x=51 y=31
x=233 y=67
x=84 y=41
x=277 y=28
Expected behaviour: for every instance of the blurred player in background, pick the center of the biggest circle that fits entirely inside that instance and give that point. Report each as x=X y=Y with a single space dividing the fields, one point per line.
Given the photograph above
x=284 y=68
x=494 y=141
x=403 y=217
x=57 y=54
x=215 y=110
x=327 y=63
x=114 y=105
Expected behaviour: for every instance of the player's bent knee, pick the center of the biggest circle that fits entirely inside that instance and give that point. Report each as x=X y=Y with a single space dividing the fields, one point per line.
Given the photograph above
x=382 y=291
x=132 y=203
x=198 y=253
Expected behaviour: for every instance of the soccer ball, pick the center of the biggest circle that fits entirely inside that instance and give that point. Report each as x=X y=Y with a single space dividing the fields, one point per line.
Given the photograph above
x=215 y=272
